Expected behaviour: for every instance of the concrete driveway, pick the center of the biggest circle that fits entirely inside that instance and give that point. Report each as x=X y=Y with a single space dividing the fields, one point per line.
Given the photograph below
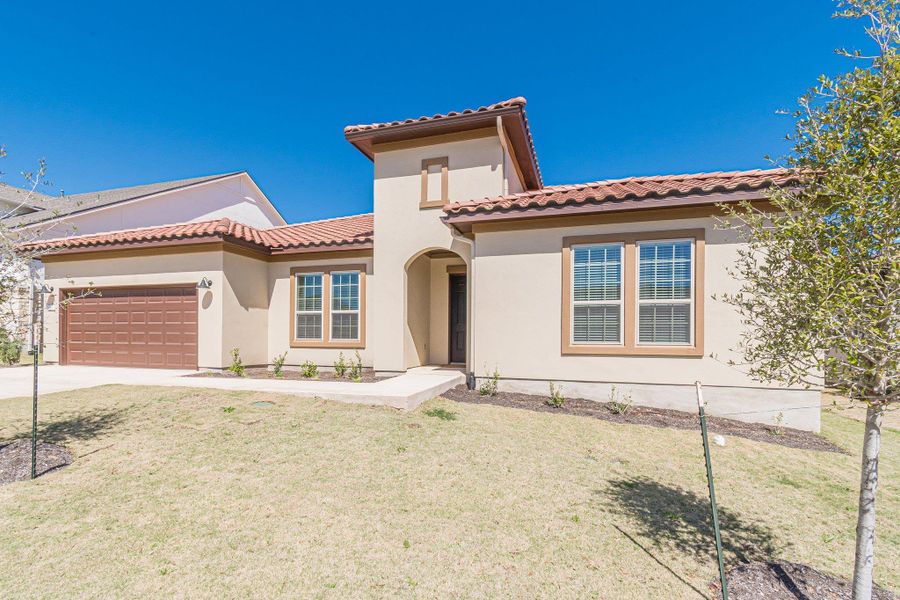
x=16 y=381
x=405 y=391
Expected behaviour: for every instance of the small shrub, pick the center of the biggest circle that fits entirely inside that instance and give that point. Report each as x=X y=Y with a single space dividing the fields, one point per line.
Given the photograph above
x=341 y=366
x=440 y=413
x=10 y=348
x=618 y=405
x=309 y=370
x=779 y=424
x=356 y=369
x=556 y=399
x=237 y=366
x=278 y=365
x=406 y=544
x=228 y=410
x=489 y=386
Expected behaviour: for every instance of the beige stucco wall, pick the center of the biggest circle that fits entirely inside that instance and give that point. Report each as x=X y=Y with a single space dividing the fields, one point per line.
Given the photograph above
x=517 y=321
x=518 y=280
x=278 y=284
x=245 y=309
x=418 y=308
x=475 y=170
x=172 y=269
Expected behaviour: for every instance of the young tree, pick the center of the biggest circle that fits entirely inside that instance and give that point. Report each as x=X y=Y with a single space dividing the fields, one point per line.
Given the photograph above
x=820 y=279
x=18 y=267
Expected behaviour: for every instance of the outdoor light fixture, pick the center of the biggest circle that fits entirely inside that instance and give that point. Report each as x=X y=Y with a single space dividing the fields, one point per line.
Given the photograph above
x=204 y=284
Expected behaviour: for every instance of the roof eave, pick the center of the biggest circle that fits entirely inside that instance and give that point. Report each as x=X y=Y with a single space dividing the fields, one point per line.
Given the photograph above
x=200 y=240
x=465 y=220
x=513 y=118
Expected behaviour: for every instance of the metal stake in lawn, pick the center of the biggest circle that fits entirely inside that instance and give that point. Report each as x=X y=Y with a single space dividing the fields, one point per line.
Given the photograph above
x=712 y=491
x=37 y=333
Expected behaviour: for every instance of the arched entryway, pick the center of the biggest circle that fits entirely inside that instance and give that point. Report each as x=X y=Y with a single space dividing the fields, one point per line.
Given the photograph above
x=437 y=309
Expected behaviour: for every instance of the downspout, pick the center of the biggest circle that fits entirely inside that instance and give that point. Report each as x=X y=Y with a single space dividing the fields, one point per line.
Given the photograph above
x=470 y=355
x=504 y=185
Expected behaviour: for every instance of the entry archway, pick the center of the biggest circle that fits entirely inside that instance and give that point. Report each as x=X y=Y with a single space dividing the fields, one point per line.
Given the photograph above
x=436 y=299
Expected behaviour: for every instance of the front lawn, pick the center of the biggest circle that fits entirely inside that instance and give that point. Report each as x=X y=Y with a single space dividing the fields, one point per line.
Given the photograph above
x=201 y=493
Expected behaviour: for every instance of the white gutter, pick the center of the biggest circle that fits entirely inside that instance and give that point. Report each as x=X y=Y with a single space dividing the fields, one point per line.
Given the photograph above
x=470 y=287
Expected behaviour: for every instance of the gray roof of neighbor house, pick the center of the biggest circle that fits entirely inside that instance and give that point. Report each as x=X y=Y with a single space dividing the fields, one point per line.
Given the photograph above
x=15 y=196
x=61 y=206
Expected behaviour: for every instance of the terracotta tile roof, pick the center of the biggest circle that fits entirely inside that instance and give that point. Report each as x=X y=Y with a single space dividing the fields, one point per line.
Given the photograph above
x=631 y=188
x=340 y=232
x=518 y=101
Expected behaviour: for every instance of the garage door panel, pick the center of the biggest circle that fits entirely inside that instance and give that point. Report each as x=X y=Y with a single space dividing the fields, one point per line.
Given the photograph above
x=136 y=327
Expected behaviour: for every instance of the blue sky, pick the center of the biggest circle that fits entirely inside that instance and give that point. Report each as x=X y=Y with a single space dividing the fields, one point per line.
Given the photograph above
x=123 y=93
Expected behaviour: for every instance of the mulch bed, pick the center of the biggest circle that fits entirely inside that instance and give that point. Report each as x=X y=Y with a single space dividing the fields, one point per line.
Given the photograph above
x=782 y=580
x=289 y=375
x=15 y=459
x=655 y=417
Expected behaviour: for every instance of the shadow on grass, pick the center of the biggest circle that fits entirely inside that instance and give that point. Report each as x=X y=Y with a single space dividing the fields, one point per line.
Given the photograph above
x=673 y=516
x=80 y=426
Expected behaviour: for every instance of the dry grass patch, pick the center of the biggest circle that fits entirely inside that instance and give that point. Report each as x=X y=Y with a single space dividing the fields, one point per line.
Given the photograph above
x=172 y=495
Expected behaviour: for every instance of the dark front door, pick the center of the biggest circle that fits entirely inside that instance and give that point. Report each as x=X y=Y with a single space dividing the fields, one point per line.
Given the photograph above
x=457 y=318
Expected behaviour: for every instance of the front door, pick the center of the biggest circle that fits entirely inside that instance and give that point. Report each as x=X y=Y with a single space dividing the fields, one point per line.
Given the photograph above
x=458 y=319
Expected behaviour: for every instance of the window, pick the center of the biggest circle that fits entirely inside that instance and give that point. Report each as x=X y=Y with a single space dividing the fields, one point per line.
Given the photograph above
x=633 y=293
x=328 y=307
x=435 y=182
x=309 y=315
x=664 y=292
x=597 y=294
x=344 y=306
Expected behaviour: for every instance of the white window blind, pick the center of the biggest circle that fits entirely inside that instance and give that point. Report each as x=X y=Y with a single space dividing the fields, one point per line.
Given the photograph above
x=597 y=294
x=308 y=315
x=665 y=292
x=345 y=306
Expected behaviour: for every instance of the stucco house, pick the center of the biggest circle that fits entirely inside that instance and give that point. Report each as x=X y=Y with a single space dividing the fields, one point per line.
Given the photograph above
x=467 y=259
x=36 y=216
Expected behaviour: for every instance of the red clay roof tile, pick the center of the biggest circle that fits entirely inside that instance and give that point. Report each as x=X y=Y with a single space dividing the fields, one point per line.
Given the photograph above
x=339 y=232
x=631 y=188
x=518 y=101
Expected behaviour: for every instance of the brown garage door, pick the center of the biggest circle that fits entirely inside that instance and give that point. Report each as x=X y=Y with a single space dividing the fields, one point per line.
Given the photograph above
x=131 y=327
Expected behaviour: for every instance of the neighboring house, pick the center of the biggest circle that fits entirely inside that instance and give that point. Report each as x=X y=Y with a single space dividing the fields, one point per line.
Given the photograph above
x=467 y=260
x=39 y=216
x=231 y=195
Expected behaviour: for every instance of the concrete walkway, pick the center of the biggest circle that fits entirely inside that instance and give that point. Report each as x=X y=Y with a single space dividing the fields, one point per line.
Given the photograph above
x=405 y=391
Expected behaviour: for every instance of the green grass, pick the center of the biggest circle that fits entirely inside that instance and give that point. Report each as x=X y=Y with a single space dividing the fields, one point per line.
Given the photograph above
x=172 y=495
x=440 y=413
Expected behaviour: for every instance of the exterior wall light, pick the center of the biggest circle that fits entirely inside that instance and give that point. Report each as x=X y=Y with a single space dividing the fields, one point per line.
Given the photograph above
x=205 y=284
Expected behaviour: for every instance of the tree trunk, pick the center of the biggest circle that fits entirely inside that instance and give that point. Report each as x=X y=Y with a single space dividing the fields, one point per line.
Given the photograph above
x=865 y=523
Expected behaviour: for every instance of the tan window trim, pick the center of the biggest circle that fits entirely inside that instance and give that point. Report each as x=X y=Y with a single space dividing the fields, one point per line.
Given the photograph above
x=629 y=347
x=442 y=162
x=326 y=341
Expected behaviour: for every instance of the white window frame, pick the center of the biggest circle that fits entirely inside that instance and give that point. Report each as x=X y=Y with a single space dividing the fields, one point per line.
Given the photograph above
x=689 y=302
x=332 y=311
x=621 y=301
x=298 y=312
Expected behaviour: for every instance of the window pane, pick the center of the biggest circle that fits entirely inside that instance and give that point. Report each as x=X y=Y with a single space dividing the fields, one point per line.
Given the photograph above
x=665 y=271
x=309 y=326
x=345 y=291
x=597 y=273
x=309 y=292
x=345 y=326
x=597 y=324
x=665 y=324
